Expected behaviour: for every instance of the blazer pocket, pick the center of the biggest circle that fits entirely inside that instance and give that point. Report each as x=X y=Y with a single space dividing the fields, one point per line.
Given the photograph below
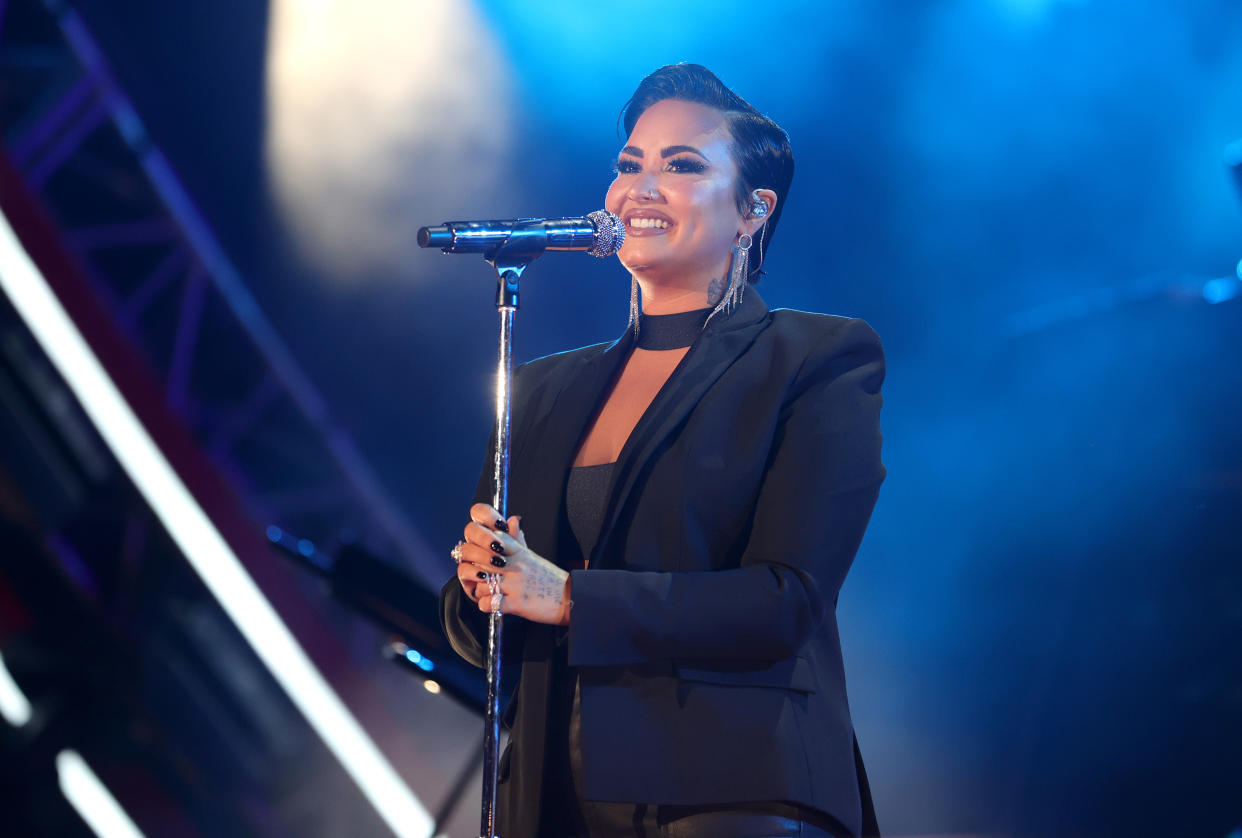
x=793 y=673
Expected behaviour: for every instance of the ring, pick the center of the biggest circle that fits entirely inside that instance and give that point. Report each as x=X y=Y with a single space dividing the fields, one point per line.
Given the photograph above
x=456 y=552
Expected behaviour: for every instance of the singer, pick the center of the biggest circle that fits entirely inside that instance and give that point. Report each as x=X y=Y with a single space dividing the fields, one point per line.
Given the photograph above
x=691 y=497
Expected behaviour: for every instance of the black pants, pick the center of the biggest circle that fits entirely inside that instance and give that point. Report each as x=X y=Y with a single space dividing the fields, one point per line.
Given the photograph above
x=760 y=820
x=596 y=819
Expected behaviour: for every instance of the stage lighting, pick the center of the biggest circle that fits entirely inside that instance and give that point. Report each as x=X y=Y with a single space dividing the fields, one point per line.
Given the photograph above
x=91 y=798
x=202 y=544
x=381 y=114
x=14 y=705
x=1222 y=288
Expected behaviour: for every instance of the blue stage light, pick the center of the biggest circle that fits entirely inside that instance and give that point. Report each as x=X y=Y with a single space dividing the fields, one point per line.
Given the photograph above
x=1233 y=153
x=1222 y=288
x=306 y=547
x=275 y=534
x=415 y=657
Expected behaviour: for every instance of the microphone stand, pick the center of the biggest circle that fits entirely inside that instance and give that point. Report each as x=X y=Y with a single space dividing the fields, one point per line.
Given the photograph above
x=510 y=259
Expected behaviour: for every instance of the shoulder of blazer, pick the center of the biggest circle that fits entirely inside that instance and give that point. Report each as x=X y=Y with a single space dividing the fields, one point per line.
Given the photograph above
x=829 y=346
x=814 y=326
x=822 y=332
x=538 y=381
x=558 y=363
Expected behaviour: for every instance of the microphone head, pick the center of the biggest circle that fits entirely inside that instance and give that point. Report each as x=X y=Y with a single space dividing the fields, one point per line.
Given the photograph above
x=609 y=233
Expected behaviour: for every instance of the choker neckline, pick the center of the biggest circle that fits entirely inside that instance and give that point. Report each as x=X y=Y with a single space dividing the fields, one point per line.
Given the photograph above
x=670 y=331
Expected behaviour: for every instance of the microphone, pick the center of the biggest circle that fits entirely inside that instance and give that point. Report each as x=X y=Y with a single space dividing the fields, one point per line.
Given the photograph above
x=601 y=234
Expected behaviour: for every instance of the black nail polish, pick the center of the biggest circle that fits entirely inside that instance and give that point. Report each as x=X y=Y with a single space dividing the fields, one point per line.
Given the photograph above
x=481 y=575
x=498 y=561
x=501 y=525
x=497 y=547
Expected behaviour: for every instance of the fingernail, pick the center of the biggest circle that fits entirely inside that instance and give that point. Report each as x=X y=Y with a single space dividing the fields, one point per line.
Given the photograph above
x=481 y=575
x=499 y=562
x=501 y=525
x=497 y=547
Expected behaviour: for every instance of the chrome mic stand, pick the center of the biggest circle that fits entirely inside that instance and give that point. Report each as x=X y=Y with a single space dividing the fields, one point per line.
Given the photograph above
x=525 y=240
x=510 y=260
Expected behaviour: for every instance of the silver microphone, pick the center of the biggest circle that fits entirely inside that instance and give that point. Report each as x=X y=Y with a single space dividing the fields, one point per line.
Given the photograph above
x=600 y=233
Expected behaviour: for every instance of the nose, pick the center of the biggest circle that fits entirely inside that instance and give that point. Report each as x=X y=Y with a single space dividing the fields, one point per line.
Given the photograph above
x=644 y=188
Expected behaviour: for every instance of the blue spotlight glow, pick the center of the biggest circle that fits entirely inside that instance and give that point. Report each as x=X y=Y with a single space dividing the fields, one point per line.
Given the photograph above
x=306 y=547
x=1233 y=153
x=415 y=657
x=1222 y=288
x=274 y=534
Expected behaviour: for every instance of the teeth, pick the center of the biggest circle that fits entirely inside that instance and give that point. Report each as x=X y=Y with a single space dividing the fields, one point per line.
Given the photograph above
x=647 y=223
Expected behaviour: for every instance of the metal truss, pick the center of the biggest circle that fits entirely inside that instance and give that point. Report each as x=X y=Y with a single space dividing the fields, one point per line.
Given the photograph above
x=152 y=257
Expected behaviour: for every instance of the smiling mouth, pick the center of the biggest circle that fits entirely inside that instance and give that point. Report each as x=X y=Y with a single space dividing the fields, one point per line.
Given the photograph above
x=648 y=224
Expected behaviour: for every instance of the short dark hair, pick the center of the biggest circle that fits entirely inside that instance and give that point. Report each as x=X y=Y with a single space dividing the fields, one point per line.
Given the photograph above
x=760 y=147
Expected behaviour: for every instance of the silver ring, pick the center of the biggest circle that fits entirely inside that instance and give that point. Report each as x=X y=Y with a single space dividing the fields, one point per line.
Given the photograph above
x=456 y=552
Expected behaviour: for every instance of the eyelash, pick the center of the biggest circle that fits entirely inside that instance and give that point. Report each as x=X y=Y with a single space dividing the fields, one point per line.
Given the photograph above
x=678 y=165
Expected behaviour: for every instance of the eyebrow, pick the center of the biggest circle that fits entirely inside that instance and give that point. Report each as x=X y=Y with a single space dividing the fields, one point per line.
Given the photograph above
x=635 y=151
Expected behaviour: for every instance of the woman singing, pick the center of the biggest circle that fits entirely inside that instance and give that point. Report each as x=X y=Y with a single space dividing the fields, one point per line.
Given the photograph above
x=692 y=496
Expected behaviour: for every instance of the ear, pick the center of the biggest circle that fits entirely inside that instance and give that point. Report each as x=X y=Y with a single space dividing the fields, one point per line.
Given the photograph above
x=752 y=222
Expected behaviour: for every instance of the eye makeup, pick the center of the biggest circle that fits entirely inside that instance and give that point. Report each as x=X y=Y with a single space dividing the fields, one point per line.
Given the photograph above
x=678 y=165
x=686 y=165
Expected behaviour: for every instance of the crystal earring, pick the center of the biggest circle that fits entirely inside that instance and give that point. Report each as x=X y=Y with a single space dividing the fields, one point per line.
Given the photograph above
x=633 y=324
x=738 y=273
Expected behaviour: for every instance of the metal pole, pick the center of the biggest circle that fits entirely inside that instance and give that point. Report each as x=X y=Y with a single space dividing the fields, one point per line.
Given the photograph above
x=506 y=305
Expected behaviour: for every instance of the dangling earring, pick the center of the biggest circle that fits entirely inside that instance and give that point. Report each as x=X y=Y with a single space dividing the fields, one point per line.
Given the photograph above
x=737 y=277
x=633 y=324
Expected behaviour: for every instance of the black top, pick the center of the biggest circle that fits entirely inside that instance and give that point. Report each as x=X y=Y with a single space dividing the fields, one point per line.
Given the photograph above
x=585 y=496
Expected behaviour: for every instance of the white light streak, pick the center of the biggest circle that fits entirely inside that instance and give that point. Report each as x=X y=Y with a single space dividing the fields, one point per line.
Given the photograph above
x=14 y=705
x=202 y=544
x=92 y=799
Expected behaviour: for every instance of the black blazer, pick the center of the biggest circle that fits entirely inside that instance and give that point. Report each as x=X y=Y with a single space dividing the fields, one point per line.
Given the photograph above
x=704 y=630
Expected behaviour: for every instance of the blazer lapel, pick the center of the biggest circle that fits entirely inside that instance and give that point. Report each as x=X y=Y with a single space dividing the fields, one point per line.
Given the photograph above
x=554 y=437
x=716 y=349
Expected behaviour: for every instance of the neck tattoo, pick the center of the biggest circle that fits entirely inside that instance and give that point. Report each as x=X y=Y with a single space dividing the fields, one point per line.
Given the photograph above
x=715 y=292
